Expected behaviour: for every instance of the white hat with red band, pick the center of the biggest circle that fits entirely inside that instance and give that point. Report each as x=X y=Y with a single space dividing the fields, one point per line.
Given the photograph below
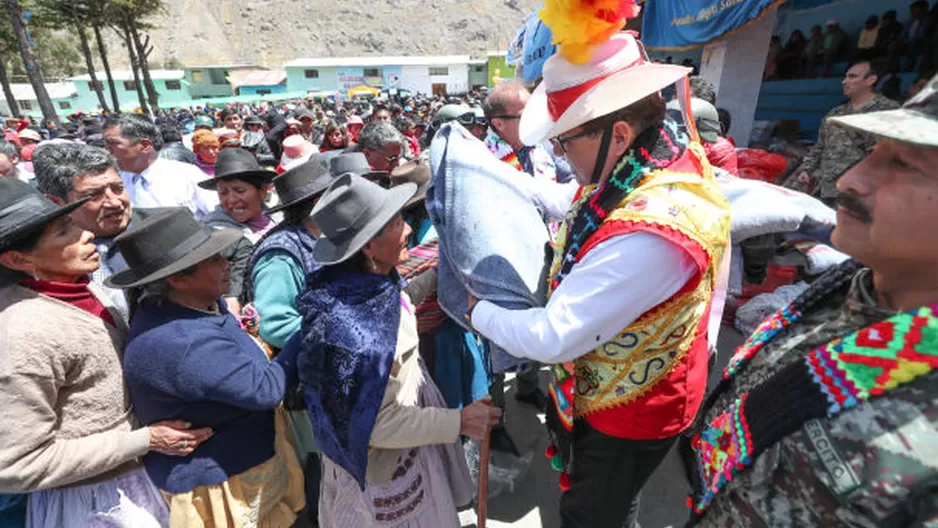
x=618 y=74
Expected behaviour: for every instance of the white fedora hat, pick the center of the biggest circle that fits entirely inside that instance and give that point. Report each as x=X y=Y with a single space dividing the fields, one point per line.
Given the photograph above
x=618 y=74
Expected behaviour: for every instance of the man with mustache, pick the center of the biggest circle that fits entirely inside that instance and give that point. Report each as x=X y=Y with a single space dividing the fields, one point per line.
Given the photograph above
x=67 y=172
x=828 y=415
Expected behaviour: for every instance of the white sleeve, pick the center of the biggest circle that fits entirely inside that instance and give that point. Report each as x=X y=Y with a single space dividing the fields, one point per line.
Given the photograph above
x=553 y=198
x=203 y=201
x=611 y=287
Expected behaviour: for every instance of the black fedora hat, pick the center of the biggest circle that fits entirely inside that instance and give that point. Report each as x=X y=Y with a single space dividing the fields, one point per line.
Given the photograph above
x=302 y=183
x=352 y=212
x=233 y=164
x=165 y=244
x=23 y=210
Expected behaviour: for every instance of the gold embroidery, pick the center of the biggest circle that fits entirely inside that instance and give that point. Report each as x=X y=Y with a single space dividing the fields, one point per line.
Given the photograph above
x=647 y=351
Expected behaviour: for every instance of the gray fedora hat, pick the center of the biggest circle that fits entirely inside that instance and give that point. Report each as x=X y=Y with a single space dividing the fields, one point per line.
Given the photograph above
x=24 y=210
x=165 y=244
x=354 y=163
x=352 y=212
x=302 y=183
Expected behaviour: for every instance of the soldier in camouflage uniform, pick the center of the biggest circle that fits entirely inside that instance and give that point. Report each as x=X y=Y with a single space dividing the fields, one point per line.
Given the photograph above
x=838 y=148
x=875 y=464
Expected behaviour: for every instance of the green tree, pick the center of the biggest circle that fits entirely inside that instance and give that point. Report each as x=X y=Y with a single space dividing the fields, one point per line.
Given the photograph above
x=8 y=50
x=76 y=15
x=15 y=13
x=131 y=18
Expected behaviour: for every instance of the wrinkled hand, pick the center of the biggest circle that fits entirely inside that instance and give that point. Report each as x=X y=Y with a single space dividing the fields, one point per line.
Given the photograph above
x=477 y=419
x=174 y=438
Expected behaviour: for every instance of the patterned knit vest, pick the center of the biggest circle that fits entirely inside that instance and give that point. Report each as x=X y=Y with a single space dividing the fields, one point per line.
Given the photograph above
x=683 y=204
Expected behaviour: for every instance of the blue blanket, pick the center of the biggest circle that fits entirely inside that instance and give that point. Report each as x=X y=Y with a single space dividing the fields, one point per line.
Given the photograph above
x=350 y=326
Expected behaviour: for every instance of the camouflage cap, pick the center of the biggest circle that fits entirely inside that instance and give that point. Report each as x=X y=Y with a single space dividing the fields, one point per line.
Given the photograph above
x=916 y=122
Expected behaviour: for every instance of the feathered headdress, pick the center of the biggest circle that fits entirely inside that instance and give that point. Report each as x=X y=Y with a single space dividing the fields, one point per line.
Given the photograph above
x=580 y=26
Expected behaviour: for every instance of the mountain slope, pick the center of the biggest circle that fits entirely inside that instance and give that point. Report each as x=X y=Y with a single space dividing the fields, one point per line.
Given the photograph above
x=271 y=32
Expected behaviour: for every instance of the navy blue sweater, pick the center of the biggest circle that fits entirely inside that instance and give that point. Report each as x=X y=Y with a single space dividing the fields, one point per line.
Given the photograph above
x=184 y=364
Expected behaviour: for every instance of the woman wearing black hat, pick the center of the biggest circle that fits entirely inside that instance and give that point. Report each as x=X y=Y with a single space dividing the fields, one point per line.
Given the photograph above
x=282 y=259
x=68 y=438
x=389 y=442
x=242 y=186
x=188 y=359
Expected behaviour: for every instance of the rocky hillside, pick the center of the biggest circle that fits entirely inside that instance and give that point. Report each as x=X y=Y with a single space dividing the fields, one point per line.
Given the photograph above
x=270 y=32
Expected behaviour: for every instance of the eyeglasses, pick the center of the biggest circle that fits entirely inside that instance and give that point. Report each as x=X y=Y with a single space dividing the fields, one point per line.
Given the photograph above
x=562 y=142
x=508 y=116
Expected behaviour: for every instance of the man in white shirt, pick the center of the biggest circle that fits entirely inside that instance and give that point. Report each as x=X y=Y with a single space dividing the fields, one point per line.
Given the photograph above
x=631 y=286
x=150 y=180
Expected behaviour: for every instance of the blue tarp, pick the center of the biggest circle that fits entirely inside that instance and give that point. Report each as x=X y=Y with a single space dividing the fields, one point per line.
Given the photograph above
x=680 y=24
x=531 y=47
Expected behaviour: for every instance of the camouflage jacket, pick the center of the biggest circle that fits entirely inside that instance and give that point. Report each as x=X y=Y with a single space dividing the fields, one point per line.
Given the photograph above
x=875 y=466
x=839 y=148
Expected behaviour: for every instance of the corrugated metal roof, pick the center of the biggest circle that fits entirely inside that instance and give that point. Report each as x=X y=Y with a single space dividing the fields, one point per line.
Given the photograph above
x=62 y=90
x=256 y=78
x=126 y=75
x=326 y=62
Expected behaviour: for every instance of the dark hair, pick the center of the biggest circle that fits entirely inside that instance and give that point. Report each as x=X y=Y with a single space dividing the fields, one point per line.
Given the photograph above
x=227 y=112
x=920 y=4
x=136 y=127
x=170 y=132
x=641 y=115
x=703 y=89
x=726 y=121
x=57 y=164
x=250 y=179
x=877 y=67
x=297 y=214
x=330 y=126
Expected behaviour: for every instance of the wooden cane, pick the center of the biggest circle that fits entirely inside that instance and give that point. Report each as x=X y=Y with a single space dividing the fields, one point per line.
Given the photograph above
x=484 y=452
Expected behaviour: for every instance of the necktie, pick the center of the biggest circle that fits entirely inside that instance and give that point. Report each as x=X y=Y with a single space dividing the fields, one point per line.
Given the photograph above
x=142 y=197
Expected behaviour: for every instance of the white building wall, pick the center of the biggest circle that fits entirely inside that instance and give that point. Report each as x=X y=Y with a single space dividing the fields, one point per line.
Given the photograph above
x=415 y=79
x=457 y=80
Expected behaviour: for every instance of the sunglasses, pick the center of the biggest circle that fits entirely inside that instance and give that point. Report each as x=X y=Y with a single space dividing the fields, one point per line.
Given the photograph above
x=562 y=142
x=508 y=117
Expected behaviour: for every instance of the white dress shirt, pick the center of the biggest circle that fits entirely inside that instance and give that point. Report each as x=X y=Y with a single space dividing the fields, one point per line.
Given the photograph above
x=608 y=289
x=168 y=183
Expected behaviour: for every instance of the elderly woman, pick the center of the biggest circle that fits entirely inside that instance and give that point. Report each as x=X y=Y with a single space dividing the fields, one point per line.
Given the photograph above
x=390 y=445
x=68 y=437
x=335 y=137
x=187 y=359
x=242 y=185
x=206 y=147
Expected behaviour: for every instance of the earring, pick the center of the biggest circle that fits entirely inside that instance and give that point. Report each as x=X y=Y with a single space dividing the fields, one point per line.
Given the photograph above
x=372 y=267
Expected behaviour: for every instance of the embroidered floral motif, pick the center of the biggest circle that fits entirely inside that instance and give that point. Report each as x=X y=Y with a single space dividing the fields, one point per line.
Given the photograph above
x=723 y=449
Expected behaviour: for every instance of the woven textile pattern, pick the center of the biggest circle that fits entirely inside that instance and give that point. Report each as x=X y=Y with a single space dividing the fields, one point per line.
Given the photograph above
x=654 y=148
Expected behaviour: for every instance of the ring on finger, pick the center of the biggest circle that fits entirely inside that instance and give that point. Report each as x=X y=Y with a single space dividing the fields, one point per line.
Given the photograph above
x=185 y=444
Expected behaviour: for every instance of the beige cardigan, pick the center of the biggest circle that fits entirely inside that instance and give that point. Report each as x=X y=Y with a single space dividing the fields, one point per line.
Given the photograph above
x=65 y=414
x=401 y=424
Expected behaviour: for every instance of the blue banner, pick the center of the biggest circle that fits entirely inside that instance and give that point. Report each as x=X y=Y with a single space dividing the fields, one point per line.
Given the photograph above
x=683 y=24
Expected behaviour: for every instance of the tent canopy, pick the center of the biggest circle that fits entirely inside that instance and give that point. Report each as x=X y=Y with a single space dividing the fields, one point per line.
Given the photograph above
x=363 y=90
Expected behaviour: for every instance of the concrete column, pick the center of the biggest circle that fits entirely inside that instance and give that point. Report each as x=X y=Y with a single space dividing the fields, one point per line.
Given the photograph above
x=735 y=65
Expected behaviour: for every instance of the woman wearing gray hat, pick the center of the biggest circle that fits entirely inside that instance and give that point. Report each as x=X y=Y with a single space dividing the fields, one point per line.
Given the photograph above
x=188 y=359
x=391 y=446
x=68 y=437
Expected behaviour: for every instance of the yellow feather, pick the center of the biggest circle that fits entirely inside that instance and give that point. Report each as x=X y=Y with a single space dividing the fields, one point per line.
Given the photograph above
x=580 y=26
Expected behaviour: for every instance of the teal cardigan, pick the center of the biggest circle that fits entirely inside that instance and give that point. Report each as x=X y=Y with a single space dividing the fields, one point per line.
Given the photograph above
x=278 y=280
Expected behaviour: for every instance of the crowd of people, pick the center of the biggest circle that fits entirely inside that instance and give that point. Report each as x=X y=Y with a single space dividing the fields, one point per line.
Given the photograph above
x=237 y=316
x=901 y=45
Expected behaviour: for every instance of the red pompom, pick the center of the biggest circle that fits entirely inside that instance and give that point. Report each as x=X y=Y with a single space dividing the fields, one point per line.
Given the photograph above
x=551 y=451
x=564 y=481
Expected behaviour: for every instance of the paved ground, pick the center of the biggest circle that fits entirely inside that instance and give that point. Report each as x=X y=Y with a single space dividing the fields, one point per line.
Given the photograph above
x=534 y=503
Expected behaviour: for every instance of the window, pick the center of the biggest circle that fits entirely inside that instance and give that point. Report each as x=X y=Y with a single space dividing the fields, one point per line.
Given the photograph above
x=218 y=76
x=25 y=105
x=478 y=68
x=130 y=86
x=372 y=72
x=173 y=85
x=64 y=105
x=262 y=91
x=95 y=85
x=197 y=76
x=311 y=74
x=439 y=70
